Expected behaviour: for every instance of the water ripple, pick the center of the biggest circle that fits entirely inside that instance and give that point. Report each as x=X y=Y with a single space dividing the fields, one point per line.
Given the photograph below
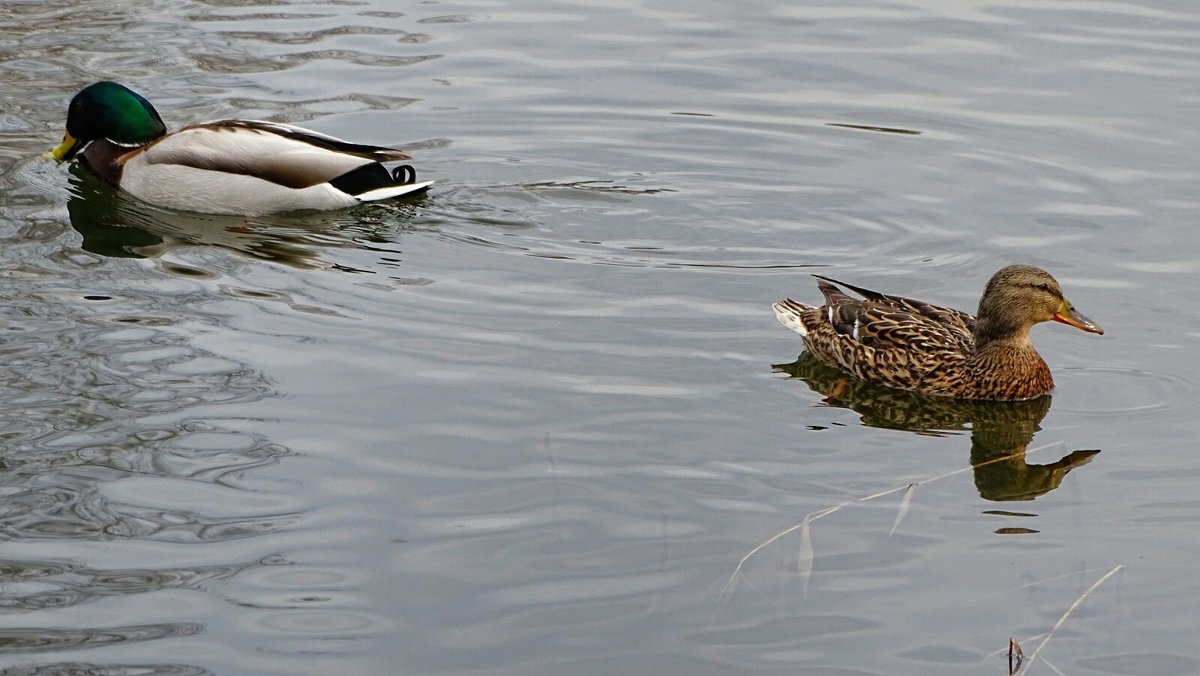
x=222 y=63
x=92 y=669
x=17 y=641
x=1124 y=391
x=528 y=419
x=310 y=37
x=37 y=585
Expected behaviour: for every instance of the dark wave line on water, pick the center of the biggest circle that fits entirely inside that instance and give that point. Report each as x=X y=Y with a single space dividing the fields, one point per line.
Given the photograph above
x=96 y=669
x=869 y=127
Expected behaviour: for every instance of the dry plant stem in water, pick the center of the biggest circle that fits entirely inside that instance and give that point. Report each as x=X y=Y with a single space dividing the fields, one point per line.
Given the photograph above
x=903 y=509
x=1062 y=620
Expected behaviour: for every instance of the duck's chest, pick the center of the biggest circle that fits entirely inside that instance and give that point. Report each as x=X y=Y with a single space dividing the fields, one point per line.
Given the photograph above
x=103 y=158
x=1010 y=374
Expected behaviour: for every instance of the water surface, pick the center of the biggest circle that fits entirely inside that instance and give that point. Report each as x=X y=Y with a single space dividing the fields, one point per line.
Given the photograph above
x=532 y=421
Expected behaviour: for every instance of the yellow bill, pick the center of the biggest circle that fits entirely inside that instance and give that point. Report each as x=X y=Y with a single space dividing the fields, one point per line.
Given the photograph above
x=65 y=150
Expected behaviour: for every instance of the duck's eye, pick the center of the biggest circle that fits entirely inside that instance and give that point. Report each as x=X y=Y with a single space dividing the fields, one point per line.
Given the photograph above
x=1044 y=287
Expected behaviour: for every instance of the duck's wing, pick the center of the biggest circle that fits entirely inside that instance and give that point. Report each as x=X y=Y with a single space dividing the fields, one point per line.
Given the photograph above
x=314 y=138
x=879 y=312
x=882 y=327
x=894 y=347
x=289 y=156
x=891 y=340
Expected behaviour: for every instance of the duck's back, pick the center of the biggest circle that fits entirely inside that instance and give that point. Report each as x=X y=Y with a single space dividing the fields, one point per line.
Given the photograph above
x=899 y=342
x=246 y=167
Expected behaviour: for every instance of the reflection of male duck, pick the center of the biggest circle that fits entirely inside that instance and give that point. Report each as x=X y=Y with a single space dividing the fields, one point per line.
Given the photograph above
x=114 y=225
x=998 y=429
x=110 y=224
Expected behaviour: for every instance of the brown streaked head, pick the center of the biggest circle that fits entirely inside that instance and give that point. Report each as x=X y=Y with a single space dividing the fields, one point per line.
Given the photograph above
x=1019 y=296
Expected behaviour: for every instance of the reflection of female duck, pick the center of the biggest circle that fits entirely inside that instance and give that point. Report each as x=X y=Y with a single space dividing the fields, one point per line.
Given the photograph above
x=912 y=345
x=1000 y=431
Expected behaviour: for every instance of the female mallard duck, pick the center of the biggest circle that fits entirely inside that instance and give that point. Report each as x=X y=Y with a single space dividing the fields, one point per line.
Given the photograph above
x=912 y=345
x=244 y=167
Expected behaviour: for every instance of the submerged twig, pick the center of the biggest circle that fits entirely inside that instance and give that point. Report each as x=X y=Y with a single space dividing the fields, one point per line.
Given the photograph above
x=1027 y=585
x=1063 y=619
x=1002 y=651
x=813 y=516
x=905 y=502
x=1053 y=668
x=808 y=518
x=804 y=559
x=1014 y=656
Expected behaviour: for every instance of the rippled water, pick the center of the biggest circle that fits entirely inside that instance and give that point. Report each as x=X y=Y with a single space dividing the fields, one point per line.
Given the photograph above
x=541 y=419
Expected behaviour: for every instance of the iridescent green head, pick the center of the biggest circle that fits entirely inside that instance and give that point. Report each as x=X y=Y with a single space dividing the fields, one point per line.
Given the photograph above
x=107 y=110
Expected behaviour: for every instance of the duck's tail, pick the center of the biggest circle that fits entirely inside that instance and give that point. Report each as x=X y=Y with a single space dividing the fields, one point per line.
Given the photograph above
x=791 y=314
x=373 y=181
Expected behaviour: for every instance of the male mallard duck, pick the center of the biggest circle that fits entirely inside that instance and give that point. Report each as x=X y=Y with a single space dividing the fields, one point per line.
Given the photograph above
x=229 y=167
x=912 y=345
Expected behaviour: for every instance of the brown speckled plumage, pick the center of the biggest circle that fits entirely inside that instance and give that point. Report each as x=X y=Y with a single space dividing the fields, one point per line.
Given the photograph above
x=912 y=345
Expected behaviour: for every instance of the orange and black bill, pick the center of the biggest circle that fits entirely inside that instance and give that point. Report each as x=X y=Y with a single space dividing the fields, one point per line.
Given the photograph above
x=1069 y=315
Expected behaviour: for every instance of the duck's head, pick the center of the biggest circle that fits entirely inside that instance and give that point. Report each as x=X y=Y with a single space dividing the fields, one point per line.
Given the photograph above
x=107 y=110
x=1019 y=296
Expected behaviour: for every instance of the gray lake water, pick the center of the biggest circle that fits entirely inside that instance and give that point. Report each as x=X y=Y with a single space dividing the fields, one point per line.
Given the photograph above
x=532 y=421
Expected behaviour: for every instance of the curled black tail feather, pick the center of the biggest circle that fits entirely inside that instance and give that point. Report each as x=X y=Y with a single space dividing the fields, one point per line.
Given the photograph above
x=404 y=174
x=373 y=176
